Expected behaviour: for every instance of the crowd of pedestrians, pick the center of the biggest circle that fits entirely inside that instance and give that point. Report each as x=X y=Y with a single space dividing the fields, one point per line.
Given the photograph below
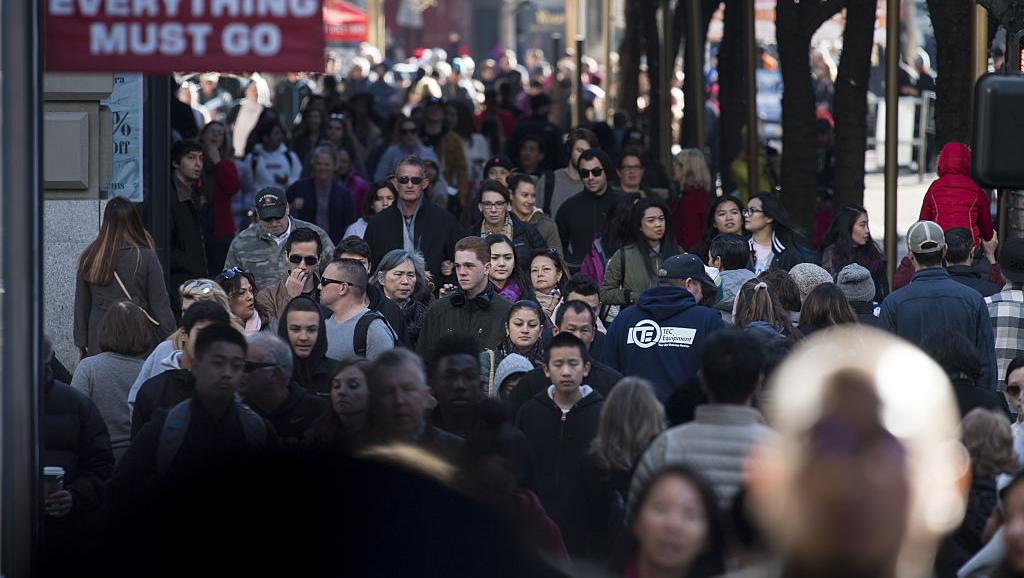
x=633 y=376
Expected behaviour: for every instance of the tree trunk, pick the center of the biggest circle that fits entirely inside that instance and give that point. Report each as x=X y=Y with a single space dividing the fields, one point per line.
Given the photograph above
x=851 y=103
x=795 y=23
x=732 y=90
x=708 y=7
x=629 y=61
x=650 y=30
x=954 y=83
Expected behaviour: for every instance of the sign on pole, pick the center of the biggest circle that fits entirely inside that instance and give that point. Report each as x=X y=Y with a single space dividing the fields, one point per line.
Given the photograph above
x=161 y=36
x=125 y=106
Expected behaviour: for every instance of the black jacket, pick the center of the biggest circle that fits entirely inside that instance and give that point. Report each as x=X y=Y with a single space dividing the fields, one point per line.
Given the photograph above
x=188 y=250
x=598 y=509
x=601 y=377
x=866 y=314
x=482 y=317
x=582 y=218
x=75 y=438
x=972 y=278
x=207 y=440
x=162 y=391
x=314 y=372
x=293 y=417
x=526 y=240
x=435 y=232
x=559 y=442
x=970 y=395
x=390 y=311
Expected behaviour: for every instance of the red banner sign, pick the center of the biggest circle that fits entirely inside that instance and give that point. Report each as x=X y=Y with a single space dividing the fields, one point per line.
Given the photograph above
x=344 y=22
x=160 y=36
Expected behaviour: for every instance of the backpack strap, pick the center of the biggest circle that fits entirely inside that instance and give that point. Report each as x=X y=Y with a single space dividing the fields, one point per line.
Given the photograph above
x=549 y=190
x=253 y=427
x=363 y=328
x=172 y=435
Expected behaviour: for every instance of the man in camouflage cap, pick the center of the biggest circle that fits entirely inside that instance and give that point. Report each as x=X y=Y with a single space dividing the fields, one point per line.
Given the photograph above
x=260 y=248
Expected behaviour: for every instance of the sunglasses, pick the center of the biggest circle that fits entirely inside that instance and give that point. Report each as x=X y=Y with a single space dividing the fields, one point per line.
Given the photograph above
x=585 y=173
x=309 y=260
x=251 y=366
x=325 y=281
x=196 y=287
x=407 y=180
x=232 y=273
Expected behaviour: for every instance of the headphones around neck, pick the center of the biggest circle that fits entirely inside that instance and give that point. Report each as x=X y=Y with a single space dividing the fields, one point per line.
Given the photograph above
x=483 y=300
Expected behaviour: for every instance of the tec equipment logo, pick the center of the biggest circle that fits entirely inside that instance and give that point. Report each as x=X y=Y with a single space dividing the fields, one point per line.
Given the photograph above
x=647 y=333
x=644 y=334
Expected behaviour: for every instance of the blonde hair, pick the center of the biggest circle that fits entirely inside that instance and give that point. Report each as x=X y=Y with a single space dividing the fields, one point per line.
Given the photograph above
x=695 y=169
x=631 y=417
x=216 y=293
x=987 y=436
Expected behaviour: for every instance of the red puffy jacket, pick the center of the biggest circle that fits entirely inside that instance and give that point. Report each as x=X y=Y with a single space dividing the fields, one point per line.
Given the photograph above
x=954 y=200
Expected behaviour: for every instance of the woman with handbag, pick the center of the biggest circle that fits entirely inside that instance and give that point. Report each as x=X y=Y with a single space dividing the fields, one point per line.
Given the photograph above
x=119 y=265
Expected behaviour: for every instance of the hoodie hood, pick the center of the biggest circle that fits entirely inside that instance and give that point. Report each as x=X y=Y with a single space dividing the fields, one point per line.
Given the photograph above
x=664 y=302
x=172 y=361
x=304 y=368
x=955 y=159
x=764 y=332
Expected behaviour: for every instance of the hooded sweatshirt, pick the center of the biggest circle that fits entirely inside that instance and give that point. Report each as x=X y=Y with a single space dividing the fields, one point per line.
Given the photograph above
x=954 y=200
x=314 y=372
x=660 y=338
x=266 y=166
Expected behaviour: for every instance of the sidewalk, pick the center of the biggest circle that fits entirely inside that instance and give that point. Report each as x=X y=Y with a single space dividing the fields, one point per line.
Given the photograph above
x=909 y=193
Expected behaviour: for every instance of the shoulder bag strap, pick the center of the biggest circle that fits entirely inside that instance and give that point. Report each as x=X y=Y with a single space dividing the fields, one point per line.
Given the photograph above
x=129 y=296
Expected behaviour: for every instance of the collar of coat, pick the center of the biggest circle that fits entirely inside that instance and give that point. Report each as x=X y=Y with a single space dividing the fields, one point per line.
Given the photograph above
x=777 y=246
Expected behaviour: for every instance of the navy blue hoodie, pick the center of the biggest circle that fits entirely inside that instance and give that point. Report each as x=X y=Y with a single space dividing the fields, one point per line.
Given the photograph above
x=660 y=338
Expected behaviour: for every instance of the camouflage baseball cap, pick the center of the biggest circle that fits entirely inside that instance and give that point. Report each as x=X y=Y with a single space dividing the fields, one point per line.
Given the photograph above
x=270 y=203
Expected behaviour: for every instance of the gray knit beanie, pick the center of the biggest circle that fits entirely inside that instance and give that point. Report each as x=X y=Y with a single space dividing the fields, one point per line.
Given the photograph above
x=856 y=283
x=808 y=276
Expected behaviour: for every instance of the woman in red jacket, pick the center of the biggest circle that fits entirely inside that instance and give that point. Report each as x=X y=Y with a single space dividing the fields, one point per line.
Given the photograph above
x=218 y=185
x=690 y=210
x=954 y=200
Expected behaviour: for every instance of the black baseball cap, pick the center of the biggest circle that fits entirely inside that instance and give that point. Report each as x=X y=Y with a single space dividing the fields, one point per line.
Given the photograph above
x=685 y=266
x=271 y=203
x=1011 y=258
x=500 y=160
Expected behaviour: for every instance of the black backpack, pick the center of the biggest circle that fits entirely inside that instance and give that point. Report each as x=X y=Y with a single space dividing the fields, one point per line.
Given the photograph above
x=363 y=327
x=549 y=189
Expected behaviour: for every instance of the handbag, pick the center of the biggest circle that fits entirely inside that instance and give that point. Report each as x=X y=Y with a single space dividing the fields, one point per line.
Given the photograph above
x=129 y=296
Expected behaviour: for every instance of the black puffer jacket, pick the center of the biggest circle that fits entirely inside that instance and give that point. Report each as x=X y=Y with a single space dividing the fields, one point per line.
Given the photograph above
x=75 y=438
x=559 y=442
x=314 y=372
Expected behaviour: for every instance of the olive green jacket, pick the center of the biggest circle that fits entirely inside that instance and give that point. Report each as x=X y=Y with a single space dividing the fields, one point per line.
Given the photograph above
x=626 y=276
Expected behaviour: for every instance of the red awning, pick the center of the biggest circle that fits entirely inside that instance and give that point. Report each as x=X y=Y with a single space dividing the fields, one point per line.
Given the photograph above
x=344 y=22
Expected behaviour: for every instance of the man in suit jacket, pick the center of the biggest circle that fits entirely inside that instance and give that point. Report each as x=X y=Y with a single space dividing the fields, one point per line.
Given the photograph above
x=415 y=225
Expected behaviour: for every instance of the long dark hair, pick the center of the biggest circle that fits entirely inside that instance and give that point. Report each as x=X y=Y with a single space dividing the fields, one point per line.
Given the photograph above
x=668 y=241
x=711 y=560
x=121 y=226
x=710 y=231
x=518 y=276
x=844 y=251
x=536 y=353
x=781 y=225
x=618 y=226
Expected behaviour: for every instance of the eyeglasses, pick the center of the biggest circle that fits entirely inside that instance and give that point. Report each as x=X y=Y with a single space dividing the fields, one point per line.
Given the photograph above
x=308 y=259
x=631 y=168
x=585 y=173
x=749 y=212
x=232 y=273
x=493 y=206
x=407 y=180
x=196 y=287
x=337 y=116
x=251 y=366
